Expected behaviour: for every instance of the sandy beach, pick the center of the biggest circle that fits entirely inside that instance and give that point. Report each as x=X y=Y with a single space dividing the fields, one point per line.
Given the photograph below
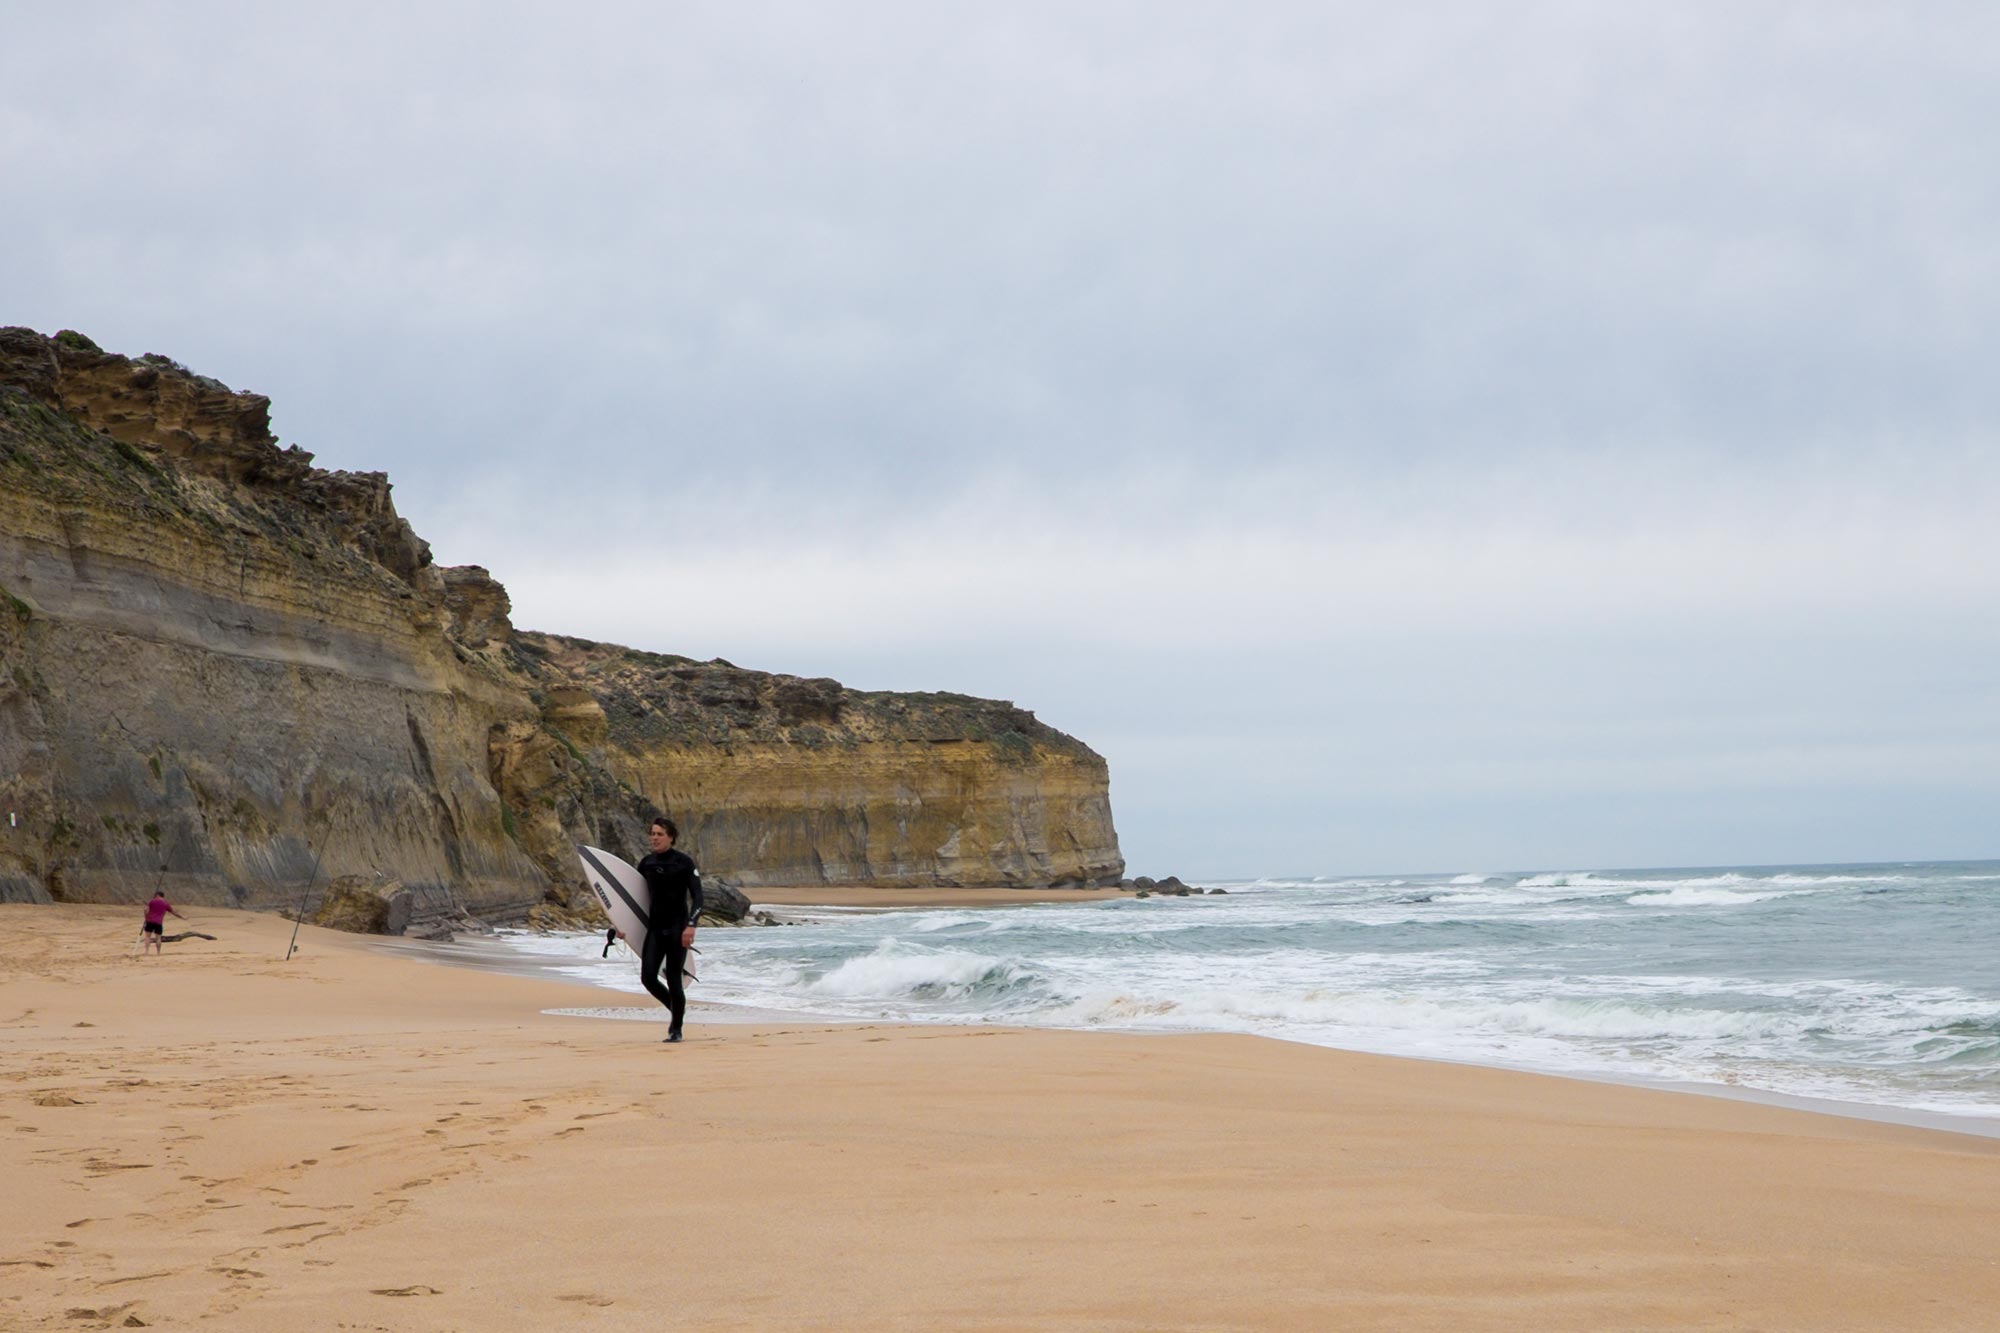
x=220 y=1138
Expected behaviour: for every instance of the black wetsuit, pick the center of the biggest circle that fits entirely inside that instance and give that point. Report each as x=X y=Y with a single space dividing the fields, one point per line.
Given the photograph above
x=676 y=902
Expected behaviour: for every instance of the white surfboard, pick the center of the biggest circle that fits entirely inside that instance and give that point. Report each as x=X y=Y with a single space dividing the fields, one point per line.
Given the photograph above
x=621 y=891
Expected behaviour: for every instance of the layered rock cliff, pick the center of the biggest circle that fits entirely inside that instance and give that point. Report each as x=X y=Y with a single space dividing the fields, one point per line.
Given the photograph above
x=217 y=657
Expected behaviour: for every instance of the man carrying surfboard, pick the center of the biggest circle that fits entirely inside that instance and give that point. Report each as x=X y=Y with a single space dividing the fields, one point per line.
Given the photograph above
x=676 y=902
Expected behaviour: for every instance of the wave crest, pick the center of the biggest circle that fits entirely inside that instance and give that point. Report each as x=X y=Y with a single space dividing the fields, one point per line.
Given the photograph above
x=896 y=971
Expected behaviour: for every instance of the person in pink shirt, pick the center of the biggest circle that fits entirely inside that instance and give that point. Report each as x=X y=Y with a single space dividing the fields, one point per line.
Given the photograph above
x=156 y=920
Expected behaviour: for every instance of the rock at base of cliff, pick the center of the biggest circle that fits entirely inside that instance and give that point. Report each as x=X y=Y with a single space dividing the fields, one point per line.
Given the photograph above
x=22 y=889
x=722 y=899
x=1170 y=887
x=364 y=906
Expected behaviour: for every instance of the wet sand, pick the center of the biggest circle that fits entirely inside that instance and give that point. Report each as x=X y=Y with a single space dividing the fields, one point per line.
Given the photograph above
x=220 y=1138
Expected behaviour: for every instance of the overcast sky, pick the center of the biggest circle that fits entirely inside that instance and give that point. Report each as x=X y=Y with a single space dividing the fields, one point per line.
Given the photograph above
x=1429 y=437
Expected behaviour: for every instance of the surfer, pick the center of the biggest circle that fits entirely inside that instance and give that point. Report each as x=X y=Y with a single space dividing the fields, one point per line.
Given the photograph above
x=676 y=902
x=156 y=921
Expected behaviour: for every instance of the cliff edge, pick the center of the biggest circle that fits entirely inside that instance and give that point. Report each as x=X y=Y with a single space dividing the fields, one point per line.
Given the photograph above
x=217 y=657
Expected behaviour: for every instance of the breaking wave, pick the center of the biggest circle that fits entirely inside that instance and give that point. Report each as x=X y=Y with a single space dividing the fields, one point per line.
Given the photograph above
x=1871 y=984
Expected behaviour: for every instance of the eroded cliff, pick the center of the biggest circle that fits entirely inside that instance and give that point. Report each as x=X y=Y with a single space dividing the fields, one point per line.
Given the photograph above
x=807 y=782
x=218 y=658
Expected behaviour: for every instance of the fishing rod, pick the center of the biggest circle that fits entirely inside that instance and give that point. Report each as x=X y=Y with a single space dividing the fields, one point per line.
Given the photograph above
x=300 y=915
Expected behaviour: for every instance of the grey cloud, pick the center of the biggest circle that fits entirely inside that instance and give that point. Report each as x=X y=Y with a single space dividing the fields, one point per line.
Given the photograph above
x=892 y=237
x=823 y=274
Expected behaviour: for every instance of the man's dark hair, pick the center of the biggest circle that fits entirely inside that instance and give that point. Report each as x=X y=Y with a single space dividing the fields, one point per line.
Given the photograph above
x=672 y=829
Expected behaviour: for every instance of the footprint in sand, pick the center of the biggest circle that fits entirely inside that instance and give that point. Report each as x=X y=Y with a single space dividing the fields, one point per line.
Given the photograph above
x=418 y=1290
x=586 y=1298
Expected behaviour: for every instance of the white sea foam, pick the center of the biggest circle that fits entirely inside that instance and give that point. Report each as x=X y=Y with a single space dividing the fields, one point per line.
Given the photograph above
x=1890 y=998
x=1703 y=898
x=893 y=972
x=1593 y=881
x=1352 y=1011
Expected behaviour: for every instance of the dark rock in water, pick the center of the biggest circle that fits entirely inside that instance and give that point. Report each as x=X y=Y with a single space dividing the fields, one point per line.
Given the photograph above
x=1170 y=887
x=364 y=906
x=722 y=899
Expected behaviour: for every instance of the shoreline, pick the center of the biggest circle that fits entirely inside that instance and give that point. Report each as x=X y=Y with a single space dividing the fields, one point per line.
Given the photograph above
x=220 y=1136
x=515 y=963
x=873 y=896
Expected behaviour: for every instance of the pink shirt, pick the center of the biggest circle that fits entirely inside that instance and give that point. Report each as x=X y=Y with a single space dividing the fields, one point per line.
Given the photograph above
x=156 y=911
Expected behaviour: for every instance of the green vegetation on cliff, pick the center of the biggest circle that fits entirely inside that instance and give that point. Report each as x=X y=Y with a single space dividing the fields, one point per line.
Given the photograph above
x=658 y=698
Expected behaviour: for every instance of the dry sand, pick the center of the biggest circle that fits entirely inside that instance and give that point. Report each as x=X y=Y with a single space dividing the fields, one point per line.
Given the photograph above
x=219 y=1138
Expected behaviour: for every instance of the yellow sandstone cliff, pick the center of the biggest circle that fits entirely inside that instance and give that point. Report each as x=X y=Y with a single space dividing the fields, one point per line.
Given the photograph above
x=218 y=658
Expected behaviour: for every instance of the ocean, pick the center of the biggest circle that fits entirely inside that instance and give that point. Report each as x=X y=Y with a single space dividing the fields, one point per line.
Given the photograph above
x=1877 y=985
